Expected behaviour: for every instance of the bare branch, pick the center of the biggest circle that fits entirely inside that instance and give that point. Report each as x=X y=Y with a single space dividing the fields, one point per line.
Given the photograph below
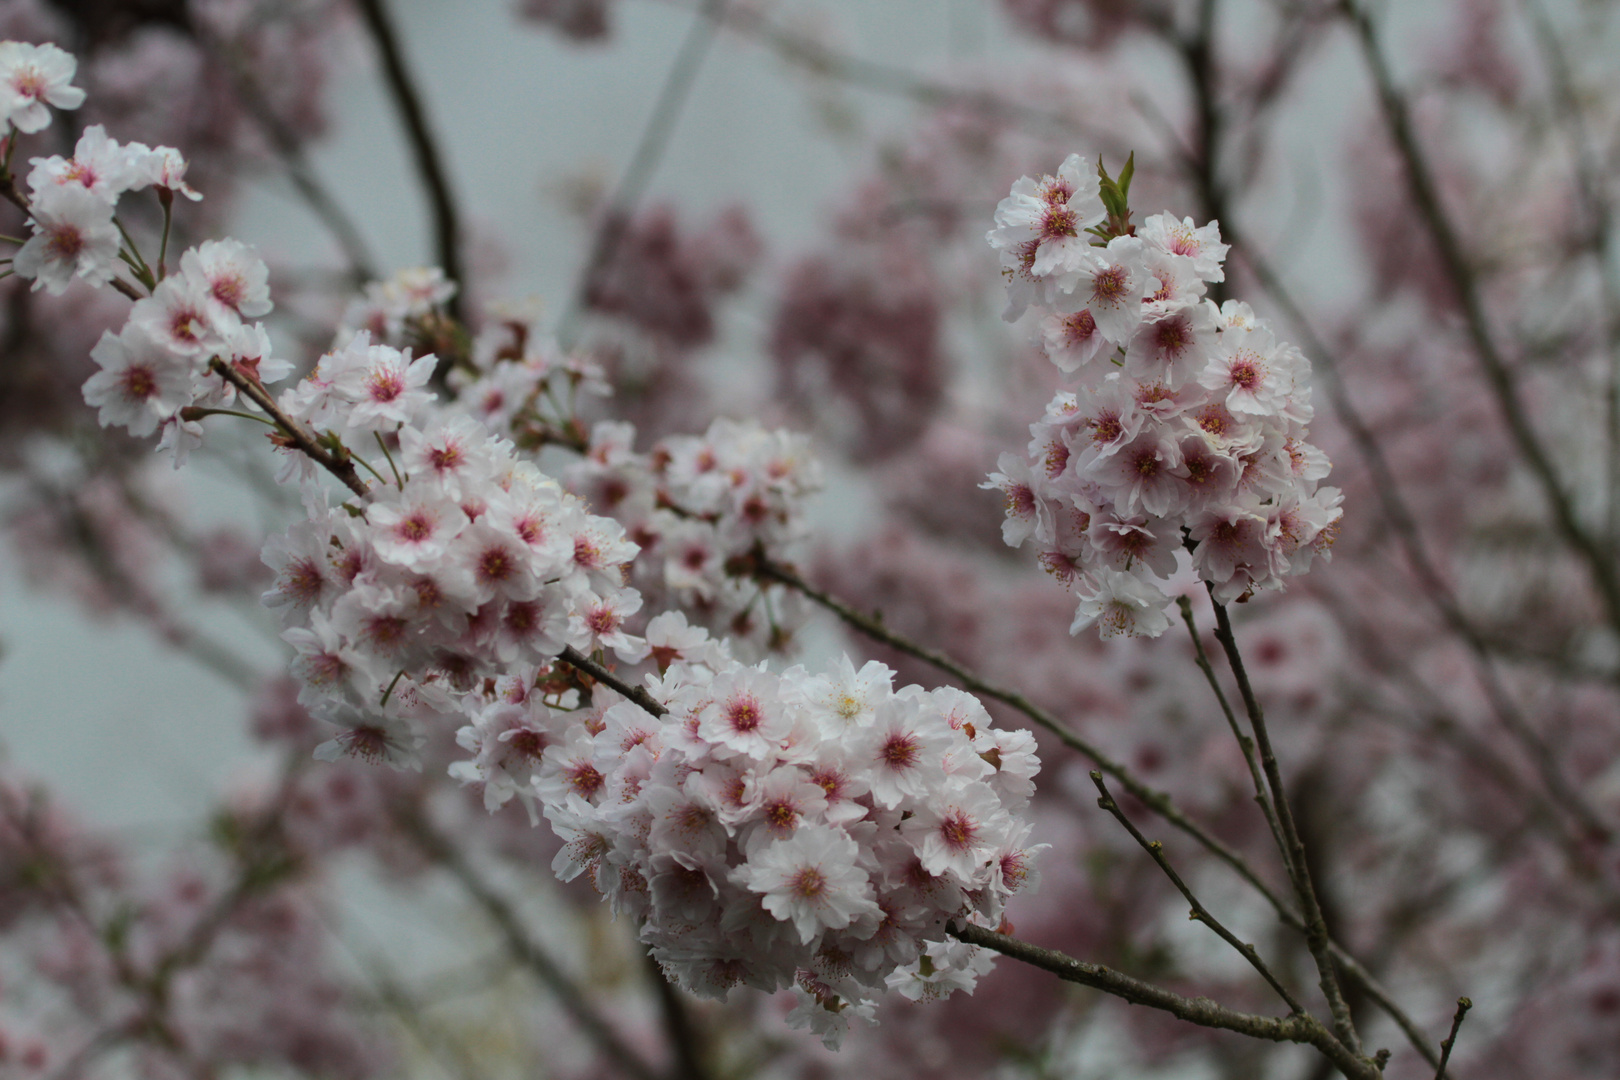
x=1499 y=377
x=523 y=948
x=1245 y=743
x=1296 y=1028
x=1199 y=913
x=1316 y=933
x=429 y=161
x=655 y=136
x=1463 y=1005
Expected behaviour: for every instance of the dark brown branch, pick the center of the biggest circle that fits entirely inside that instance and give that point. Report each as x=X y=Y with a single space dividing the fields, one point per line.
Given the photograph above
x=429 y=162
x=1159 y=802
x=1463 y=1005
x=1199 y=913
x=291 y=430
x=685 y=1039
x=1400 y=517
x=1297 y=1028
x=1245 y=743
x=576 y=659
x=1316 y=932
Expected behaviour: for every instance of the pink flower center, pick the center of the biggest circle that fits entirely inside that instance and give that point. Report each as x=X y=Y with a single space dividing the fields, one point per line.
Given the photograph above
x=744 y=714
x=1058 y=221
x=230 y=289
x=781 y=815
x=415 y=528
x=1109 y=286
x=385 y=631
x=808 y=883
x=958 y=830
x=185 y=324
x=304 y=581
x=1213 y=421
x=139 y=383
x=1247 y=373
x=1057 y=457
x=602 y=620
x=586 y=554
x=899 y=751
x=1172 y=337
x=495 y=564
x=1106 y=428
x=522 y=619
x=1079 y=327
x=829 y=781
x=368 y=742
x=384 y=386
x=584 y=778
x=1020 y=500
x=1182 y=242
x=528 y=744
x=28 y=83
x=446 y=458
x=66 y=241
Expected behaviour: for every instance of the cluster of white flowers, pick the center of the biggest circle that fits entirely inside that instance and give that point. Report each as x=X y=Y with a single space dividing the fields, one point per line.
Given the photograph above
x=1188 y=428
x=465 y=561
x=158 y=364
x=701 y=507
x=460 y=560
x=385 y=308
x=817 y=831
x=808 y=830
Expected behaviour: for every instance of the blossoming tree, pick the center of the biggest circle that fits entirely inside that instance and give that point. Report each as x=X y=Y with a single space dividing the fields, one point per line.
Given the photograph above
x=540 y=602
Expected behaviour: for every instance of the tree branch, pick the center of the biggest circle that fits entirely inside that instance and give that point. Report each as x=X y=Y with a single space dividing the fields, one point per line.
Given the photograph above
x=1499 y=377
x=1297 y=1028
x=524 y=949
x=1199 y=913
x=1316 y=933
x=342 y=468
x=446 y=224
x=632 y=185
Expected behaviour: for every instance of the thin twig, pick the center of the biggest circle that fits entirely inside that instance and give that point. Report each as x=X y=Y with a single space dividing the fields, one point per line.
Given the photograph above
x=1199 y=913
x=291 y=430
x=1316 y=932
x=429 y=161
x=1159 y=802
x=615 y=215
x=1499 y=376
x=1463 y=1005
x=1295 y=1028
x=1400 y=517
x=300 y=173
x=576 y=659
x=523 y=947
x=1592 y=189
x=1244 y=741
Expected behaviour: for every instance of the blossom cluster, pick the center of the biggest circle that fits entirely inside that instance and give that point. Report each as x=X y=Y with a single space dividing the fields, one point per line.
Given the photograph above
x=703 y=508
x=471 y=560
x=463 y=560
x=158 y=364
x=808 y=830
x=1187 y=429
